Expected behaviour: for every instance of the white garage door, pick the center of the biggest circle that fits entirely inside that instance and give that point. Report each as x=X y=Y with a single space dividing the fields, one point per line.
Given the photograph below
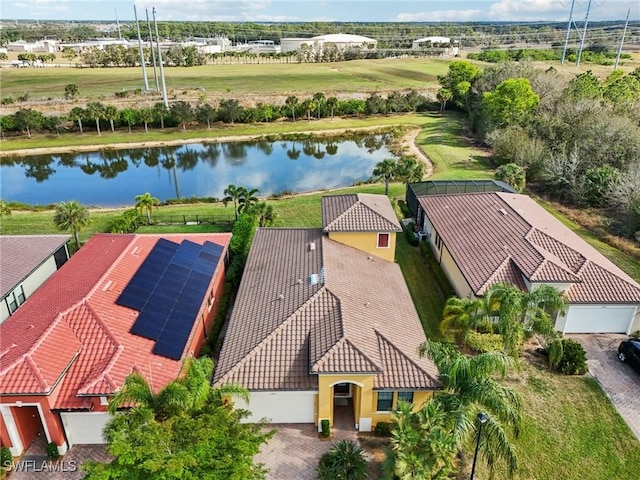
x=280 y=407
x=84 y=427
x=599 y=319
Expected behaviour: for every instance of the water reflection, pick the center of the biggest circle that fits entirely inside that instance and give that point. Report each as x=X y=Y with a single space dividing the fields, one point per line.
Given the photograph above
x=191 y=170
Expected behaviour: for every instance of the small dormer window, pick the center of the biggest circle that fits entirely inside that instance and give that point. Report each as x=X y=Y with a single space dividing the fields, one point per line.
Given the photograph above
x=383 y=240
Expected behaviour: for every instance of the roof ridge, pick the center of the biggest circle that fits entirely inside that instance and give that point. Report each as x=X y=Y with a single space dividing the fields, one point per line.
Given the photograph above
x=502 y=265
x=364 y=354
x=612 y=273
x=90 y=383
x=539 y=247
x=379 y=214
x=253 y=352
x=344 y=339
x=410 y=360
x=552 y=262
x=335 y=220
x=101 y=322
x=31 y=364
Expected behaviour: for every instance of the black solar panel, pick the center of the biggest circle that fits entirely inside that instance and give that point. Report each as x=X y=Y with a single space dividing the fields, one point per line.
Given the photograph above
x=168 y=290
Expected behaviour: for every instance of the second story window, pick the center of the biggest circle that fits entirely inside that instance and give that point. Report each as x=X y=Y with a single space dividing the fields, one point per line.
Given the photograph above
x=383 y=240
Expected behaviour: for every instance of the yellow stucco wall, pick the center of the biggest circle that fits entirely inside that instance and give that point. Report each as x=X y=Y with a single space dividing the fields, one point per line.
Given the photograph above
x=365 y=399
x=451 y=270
x=367 y=242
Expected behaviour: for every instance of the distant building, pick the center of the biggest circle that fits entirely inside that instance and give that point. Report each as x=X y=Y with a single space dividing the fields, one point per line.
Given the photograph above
x=451 y=47
x=41 y=46
x=259 y=46
x=341 y=41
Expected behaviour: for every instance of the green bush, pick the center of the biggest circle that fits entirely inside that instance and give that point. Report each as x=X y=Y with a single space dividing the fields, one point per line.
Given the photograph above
x=325 y=427
x=224 y=303
x=5 y=457
x=574 y=358
x=409 y=234
x=128 y=222
x=345 y=460
x=485 y=342
x=52 y=451
x=383 y=429
x=404 y=208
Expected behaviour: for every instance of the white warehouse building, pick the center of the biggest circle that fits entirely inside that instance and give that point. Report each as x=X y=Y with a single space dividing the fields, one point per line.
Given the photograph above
x=342 y=41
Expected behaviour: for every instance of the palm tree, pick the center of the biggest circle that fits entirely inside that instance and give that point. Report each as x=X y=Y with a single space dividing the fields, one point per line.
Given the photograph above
x=96 y=111
x=146 y=202
x=444 y=95
x=160 y=110
x=332 y=103
x=71 y=215
x=188 y=393
x=469 y=388
x=523 y=313
x=76 y=115
x=422 y=443
x=319 y=99
x=232 y=193
x=410 y=170
x=264 y=212
x=247 y=199
x=292 y=102
x=465 y=315
x=111 y=113
x=386 y=171
x=130 y=116
x=146 y=116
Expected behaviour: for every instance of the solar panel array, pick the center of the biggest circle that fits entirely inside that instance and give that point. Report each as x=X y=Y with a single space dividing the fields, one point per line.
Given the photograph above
x=168 y=290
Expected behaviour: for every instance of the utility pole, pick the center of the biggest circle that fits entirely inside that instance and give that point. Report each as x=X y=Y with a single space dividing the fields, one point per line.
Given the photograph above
x=566 y=39
x=142 y=61
x=118 y=24
x=584 y=34
x=153 y=52
x=164 y=85
x=626 y=24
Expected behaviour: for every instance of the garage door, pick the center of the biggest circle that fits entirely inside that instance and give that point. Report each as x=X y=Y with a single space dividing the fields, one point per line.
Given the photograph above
x=280 y=407
x=599 y=319
x=83 y=427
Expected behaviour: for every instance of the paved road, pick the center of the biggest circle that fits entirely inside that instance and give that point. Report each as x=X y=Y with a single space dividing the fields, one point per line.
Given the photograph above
x=619 y=381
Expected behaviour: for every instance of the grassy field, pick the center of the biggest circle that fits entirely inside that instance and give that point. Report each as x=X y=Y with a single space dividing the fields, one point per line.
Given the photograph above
x=230 y=80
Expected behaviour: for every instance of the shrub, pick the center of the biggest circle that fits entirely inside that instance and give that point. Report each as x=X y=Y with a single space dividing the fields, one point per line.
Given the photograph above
x=574 y=359
x=128 y=222
x=383 y=429
x=52 y=451
x=7 y=100
x=345 y=460
x=404 y=208
x=325 y=427
x=410 y=235
x=5 y=457
x=485 y=342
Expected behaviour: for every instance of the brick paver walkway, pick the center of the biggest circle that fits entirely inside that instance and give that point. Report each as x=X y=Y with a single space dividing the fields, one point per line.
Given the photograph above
x=619 y=381
x=294 y=451
x=67 y=468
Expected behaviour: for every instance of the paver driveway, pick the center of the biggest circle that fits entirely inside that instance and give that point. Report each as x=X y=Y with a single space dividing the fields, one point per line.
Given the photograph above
x=619 y=381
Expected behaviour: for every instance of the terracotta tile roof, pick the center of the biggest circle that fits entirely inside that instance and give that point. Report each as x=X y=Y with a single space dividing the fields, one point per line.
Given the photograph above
x=358 y=213
x=507 y=272
x=22 y=254
x=75 y=312
x=488 y=232
x=282 y=332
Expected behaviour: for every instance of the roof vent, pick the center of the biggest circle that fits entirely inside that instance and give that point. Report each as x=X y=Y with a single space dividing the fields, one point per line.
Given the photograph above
x=370 y=258
x=281 y=297
x=299 y=281
x=314 y=278
x=312 y=246
x=503 y=211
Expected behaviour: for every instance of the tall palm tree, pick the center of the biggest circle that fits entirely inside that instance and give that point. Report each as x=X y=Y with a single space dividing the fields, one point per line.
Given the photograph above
x=111 y=113
x=319 y=98
x=464 y=315
x=76 y=115
x=264 y=212
x=232 y=193
x=292 y=103
x=188 y=393
x=409 y=170
x=145 y=203
x=72 y=215
x=96 y=111
x=246 y=199
x=469 y=388
x=332 y=103
x=160 y=111
x=386 y=171
x=146 y=116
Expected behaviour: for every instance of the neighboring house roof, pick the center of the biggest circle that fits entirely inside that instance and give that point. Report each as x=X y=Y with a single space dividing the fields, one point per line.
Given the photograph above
x=72 y=331
x=499 y=236
x=360 y=212
x=22 y=254
x=359 y=318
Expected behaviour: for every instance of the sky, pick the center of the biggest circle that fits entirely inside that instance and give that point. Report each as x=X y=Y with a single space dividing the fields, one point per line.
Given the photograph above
x=324 y=10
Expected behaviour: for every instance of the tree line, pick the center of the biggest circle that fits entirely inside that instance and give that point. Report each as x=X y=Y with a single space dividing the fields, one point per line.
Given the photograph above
x=574 y=139
x=99 y=116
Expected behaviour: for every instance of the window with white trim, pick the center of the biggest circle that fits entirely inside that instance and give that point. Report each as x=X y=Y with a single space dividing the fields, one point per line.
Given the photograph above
x=405 y=396
x=15 y=299
x=385 y=401
x=383 y=240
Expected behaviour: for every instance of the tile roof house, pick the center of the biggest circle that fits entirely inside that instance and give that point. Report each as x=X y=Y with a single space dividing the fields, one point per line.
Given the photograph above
x=26 y=261
x=323 y=318
x=71 y=345
x=484 y=238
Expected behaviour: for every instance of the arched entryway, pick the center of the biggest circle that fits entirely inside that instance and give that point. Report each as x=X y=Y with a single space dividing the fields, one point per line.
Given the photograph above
x=346 y=405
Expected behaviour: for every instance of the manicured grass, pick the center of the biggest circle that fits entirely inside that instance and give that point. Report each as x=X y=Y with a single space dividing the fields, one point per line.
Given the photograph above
x=230 y=80
x=570 y=431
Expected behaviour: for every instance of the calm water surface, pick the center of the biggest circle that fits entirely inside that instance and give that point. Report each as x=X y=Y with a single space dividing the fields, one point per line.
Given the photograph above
x=114 y=177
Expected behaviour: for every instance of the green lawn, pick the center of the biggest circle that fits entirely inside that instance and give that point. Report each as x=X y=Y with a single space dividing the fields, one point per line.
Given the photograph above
x=306 y=78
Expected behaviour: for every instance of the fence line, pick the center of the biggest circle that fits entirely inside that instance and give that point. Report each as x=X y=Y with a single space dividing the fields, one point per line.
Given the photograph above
x=194 y=219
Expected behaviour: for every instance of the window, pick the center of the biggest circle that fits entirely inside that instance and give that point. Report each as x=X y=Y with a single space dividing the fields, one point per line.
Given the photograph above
x=383 y=240
x=385 y=401
x=15 y=299
x=438 y=241
x=405 y=396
